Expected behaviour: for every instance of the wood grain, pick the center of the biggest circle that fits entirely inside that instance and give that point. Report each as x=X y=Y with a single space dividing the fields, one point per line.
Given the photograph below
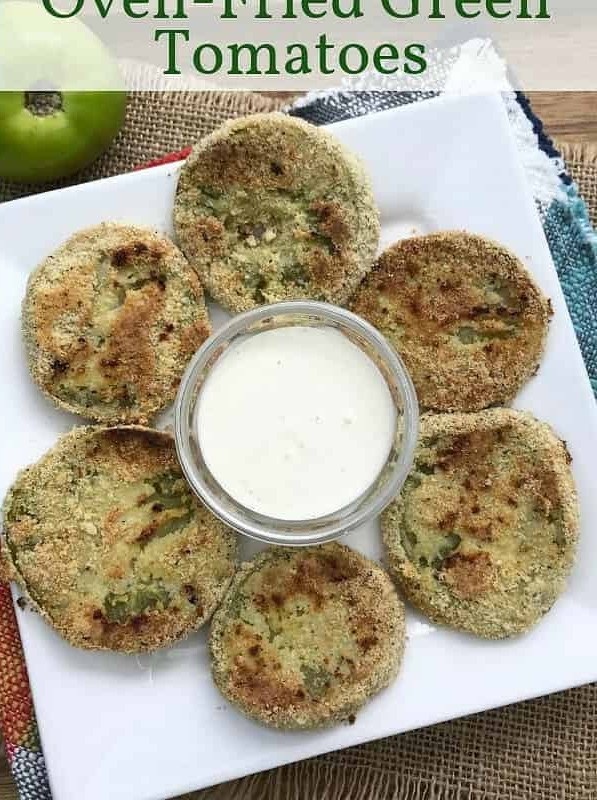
x=568 y=117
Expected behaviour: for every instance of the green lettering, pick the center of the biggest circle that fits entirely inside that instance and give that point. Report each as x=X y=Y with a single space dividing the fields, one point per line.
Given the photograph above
x=388 y=7
x=290 y=13
x=542 y=13
x=323 y=47
x=379 y=57
x=127 y=6
x=252 y=52
x=302 y=60
x=363 y=58
x=461 y=10
x=171 y=34
x=415 y=55
x=436 y=10
x=218 y=59
x=229 y=12
x=104 y=10
x=62 y=14
x=354 y=11
x=162 y=12
x=496 y=14
x=306 y=6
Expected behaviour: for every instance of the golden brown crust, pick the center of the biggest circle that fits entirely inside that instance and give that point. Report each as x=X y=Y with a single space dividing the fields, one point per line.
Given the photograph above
x=464 y=314
x=484 y=532
x=305 y=636
x=105 y=537
x=270 y=208
x=110 y=321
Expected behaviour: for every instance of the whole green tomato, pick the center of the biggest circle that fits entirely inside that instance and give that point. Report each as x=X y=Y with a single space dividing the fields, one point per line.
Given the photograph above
x=49 y=135
x=61 y=98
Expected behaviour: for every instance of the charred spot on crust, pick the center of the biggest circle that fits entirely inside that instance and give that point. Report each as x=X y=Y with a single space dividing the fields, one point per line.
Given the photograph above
x=324 y=269
x=211 y=232
x=109 y=362
x=367 y=642
x=332 y=222
x=483 y=533
x=567 y=453
x=124 y=255
x=147 y=533
x=337 y=568
x=447 y=522
x=468 y=575
x=268 y=694
x=60 y=366
x=308 y=579
x=130 y=437
x=138 y=622
x=191 y=594
x=165 y=333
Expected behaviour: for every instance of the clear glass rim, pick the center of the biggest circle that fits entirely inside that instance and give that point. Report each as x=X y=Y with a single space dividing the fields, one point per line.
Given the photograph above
x=299 y=532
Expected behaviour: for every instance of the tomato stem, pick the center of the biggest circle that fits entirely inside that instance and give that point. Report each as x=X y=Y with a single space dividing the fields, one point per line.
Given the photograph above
x=43 y=104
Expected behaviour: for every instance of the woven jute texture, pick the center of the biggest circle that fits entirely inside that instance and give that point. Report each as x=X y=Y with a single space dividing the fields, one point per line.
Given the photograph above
x=544 y=749
x=581 y=161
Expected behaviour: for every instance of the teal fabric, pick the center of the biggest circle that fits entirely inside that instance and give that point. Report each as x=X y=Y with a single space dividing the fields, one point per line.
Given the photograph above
x=573 y=245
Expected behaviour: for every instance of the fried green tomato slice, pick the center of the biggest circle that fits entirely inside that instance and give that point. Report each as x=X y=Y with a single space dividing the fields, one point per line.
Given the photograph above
x=304 y=637
x=271 y=208
x=106 y=539
x=110 y=321
x=464 y=314
x=483 y=534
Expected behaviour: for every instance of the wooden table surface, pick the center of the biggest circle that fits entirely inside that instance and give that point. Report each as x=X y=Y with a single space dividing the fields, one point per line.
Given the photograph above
x=568 y=117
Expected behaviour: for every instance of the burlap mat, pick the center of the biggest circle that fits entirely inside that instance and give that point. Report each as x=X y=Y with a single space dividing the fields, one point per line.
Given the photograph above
x=543 y=749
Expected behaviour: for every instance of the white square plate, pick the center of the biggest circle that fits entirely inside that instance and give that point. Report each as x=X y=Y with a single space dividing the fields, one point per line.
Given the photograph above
x=147 y=728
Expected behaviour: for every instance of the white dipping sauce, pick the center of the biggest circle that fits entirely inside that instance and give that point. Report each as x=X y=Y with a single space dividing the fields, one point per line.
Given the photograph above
x=295 y=422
